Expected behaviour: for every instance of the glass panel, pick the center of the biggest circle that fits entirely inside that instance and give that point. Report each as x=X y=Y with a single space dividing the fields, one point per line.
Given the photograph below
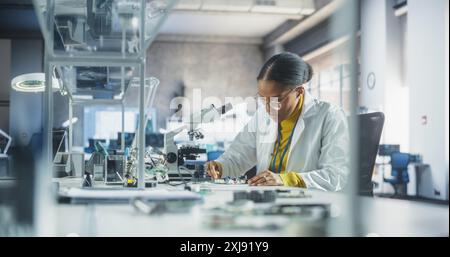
x=85 y=83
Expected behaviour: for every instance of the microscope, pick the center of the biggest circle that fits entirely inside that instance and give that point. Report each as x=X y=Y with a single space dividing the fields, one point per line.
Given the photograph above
x=178 y=156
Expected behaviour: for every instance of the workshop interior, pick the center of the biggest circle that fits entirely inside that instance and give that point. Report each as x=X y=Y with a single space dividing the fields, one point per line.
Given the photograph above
x=234 y=118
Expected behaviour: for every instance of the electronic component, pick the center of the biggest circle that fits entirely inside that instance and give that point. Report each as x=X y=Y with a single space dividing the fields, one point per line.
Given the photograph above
x=87 y=180
x=231 y=181
x=311 y=210
x=131 y=181
x=291 y=194
x=161 y=207
x=245 y=214
x=266 y=196
x=115 y=167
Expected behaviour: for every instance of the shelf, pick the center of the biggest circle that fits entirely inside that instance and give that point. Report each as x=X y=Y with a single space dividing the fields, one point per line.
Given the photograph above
x=100 y=29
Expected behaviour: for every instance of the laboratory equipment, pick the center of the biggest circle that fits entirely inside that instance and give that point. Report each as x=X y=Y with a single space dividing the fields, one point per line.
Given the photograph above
x=107 y=166
x=4 y=152
x=96 y=164
x=128 y=138
x=154 y=140
x=33 y=83
x=92 y=142
x=4 y=159
x=98 y=50
x=242 y=213
x=105 y=37
x=66 y=162
x=88 y=180
x=112 y=195
x=257 y=196
x=177 y=156
x=155 y=168
x=242 y=180
x=115 y=167
x=160 y=207
x=65 y=165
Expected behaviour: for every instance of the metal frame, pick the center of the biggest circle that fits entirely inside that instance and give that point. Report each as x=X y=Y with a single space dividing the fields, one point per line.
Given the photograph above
x=54 y=59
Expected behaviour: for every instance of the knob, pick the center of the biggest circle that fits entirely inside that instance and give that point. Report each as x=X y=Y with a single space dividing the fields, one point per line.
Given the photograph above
x=171 y=157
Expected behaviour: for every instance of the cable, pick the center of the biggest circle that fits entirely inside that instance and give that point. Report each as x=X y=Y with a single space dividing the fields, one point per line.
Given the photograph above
x=174 y=185
x=186 y=169
x=181 y=176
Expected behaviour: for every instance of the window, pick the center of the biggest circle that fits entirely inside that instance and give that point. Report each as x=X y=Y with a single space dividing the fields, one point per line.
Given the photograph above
x=105 y=122
x=331 y=80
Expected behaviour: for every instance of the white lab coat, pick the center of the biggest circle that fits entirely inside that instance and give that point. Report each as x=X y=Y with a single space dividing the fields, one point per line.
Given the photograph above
x=319 y=149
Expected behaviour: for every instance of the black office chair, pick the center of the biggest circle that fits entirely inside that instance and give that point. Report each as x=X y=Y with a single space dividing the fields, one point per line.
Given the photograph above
x=370 y=129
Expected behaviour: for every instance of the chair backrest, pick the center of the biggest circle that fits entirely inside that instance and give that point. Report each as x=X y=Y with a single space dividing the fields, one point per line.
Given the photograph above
x=370 y=129
x=399 y=161
x=399 y=172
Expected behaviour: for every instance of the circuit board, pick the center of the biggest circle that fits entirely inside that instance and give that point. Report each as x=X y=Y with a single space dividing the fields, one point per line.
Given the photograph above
x=230 y=181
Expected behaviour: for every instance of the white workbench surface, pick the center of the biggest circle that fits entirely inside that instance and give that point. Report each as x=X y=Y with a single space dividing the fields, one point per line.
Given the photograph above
x=381 y=216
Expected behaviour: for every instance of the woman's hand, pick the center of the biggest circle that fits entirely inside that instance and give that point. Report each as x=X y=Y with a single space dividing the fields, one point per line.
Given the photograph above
x=214 y=169
x=266 y=178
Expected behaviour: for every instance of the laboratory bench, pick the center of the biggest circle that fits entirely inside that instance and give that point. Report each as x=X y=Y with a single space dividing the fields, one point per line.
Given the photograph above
x=378 y=216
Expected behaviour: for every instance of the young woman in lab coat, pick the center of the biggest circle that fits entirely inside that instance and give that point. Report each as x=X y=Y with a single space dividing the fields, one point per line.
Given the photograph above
x=294 y=140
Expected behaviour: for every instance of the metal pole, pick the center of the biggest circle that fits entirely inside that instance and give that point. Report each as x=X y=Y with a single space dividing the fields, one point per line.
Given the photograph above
x=48 y=117
x=122 y=136
x=141 y=131
x=353 y=192
x=341 y=84
x=141 y=167
x=104 y=61
x=122 y=82
x=348 y=222
x=43 y=200
x=69 y=160
x=48 y=99
x=50 y=28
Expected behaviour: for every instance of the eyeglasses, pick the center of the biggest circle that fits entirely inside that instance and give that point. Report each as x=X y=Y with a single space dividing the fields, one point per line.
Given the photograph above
x=275 y=102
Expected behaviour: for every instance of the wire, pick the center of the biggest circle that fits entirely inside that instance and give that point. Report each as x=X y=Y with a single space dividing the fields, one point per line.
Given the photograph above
x=181 y=176
x=179 y=184
x=186 y=169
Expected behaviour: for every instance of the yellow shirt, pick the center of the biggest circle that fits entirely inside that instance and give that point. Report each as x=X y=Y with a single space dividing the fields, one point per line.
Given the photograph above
x=290 y=178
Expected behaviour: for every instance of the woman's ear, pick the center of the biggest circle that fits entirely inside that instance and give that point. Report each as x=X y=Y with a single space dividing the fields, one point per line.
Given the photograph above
x=300 y=90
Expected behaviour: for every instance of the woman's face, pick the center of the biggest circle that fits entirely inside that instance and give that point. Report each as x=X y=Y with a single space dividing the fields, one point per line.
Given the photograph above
x=284 y=98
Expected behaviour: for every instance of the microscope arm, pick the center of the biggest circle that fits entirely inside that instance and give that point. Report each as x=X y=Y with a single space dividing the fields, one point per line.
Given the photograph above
x=169 y=137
